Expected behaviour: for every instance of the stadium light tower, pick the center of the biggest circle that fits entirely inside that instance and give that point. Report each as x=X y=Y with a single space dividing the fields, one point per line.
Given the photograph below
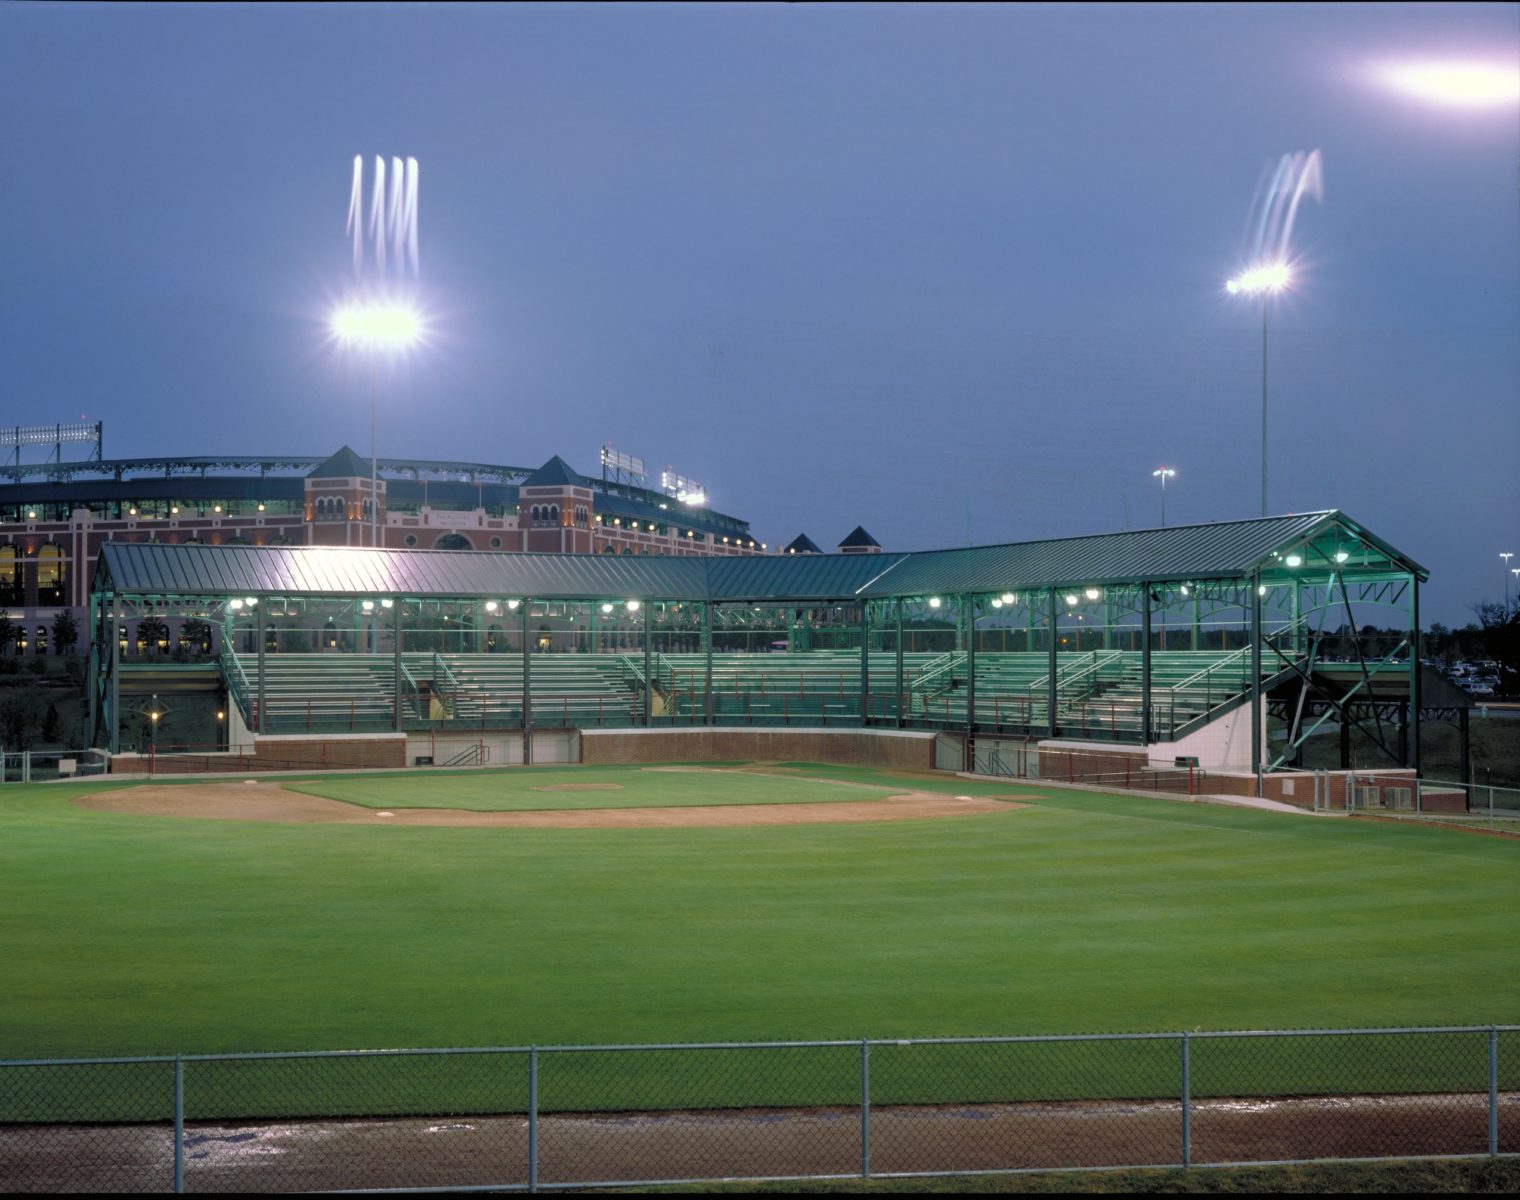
x=1163 y=474
x=376 y=329
x=1263 y=280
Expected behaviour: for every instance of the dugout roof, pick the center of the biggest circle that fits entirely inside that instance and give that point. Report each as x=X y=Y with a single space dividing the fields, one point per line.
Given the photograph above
x=1218 y=551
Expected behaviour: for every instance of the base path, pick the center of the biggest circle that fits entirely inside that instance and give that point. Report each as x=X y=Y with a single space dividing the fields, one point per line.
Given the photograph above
x=271 y=802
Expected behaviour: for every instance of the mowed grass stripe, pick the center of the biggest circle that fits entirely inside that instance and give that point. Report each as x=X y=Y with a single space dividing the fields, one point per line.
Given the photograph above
x=549 y=789
x=127 y=935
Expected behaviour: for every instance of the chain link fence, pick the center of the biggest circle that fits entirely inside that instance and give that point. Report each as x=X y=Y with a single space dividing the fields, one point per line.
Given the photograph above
x=532 y=1119
x=37 y=766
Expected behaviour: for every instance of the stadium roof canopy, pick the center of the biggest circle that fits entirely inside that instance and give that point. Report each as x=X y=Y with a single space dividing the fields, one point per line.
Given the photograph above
x=1226 y=550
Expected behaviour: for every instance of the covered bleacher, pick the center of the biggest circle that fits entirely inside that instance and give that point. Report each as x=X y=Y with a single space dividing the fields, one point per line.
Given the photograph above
x=1132 y=638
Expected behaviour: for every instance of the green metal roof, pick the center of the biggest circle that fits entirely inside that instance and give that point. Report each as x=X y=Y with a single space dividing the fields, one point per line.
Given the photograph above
x=1220 y=550
x=1223 y=550
x=153 y=568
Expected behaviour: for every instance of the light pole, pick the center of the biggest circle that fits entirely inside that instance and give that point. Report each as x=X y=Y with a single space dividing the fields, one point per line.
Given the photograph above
x=1506 y=555
x=376 y=329
x=1163 y=474
x=1515 y=571
x=1265 y=280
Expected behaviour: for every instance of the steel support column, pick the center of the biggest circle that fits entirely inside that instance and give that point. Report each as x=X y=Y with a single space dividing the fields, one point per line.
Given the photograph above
x=648 y=607
x=865 y=662
x=259 y=635
x=1414 y=674
x=707 y=692
x=114 y=741
x=1145 y=664
x=527 y=689
x=1051 y=681
x=396 y=650
x=968 y=615
x=902 y=700
x=1256 y=697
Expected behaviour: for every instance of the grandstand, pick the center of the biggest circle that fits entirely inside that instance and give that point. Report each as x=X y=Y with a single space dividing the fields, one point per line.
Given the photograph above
x=1183 y=641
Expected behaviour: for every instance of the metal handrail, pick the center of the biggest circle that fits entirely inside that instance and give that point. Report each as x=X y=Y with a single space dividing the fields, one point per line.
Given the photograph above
x=242 y=689
x=944 y=663
x=1070 y=671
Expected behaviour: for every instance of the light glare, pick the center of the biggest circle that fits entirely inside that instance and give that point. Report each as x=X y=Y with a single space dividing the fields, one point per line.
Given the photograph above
x=1456 y=84
x=1270 y=278
x=377 y=326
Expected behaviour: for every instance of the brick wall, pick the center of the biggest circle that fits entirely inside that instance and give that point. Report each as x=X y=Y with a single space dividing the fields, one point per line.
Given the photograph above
x=903 y=750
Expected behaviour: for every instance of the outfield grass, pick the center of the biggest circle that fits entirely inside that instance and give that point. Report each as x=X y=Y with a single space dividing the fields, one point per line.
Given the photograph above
x=1083 y=912
x=549 y=788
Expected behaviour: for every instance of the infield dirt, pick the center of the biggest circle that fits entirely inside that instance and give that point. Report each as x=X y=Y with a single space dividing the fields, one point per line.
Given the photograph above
x=272 y=802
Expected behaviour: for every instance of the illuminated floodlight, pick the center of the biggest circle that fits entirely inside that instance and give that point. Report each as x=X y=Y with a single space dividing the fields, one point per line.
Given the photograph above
x=491 y=606
x=249 y=602
x=1092 y=593
x=606 y=608
x=368 y=606
x=1261 y=590
x=377 y=326
x=1295 y=560
x=1272 y=277
x=387 y=604
x=234 y=605
x=934 y=601
x=1456 y=84
x=1183 y=589
x=632 y=606
x=512 y=604
x=1008 y=597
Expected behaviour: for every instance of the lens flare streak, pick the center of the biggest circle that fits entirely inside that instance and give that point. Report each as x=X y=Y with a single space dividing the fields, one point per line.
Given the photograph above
x=1275 y=206
x=392 y=224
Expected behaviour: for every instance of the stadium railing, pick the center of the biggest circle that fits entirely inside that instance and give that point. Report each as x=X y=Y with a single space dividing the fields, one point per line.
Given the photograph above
x=528 y=1118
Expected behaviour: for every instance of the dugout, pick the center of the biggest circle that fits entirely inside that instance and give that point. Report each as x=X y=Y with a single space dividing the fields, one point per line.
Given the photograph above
x=1231 y=642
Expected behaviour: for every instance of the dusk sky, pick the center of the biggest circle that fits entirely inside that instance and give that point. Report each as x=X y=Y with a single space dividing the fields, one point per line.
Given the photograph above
x=955 y=273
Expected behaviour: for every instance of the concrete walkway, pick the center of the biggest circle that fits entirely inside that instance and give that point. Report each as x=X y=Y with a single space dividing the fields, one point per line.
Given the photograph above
x=1253 y=802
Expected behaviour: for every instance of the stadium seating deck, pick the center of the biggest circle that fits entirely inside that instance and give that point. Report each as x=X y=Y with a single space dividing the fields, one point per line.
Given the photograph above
x=1098 y=693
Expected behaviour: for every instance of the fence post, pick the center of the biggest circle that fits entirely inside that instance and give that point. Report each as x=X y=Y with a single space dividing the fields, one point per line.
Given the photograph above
x=1187 y=1103
x=865 y=1109
x=179 y=1124
x=1493 y=1091
x=533 y=1119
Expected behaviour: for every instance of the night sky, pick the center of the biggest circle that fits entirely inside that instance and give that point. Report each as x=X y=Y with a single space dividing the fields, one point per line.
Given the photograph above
x=955 y=273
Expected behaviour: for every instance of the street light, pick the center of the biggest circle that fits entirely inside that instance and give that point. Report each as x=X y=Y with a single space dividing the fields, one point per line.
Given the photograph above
x=1515 y=571
x=1506 y=555
x=376 y=329
x=1264 y=280
x=1163 y=474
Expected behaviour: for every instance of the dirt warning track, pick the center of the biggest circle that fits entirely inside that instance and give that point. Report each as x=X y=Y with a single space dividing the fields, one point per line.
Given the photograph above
x=272 y=802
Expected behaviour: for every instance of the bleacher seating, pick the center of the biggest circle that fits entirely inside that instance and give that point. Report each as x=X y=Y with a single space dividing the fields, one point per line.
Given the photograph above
x=1098 y=692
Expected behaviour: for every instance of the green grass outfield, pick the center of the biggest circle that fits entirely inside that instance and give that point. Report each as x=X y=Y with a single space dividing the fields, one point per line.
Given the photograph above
x=516 y=790
x=1082 y=912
